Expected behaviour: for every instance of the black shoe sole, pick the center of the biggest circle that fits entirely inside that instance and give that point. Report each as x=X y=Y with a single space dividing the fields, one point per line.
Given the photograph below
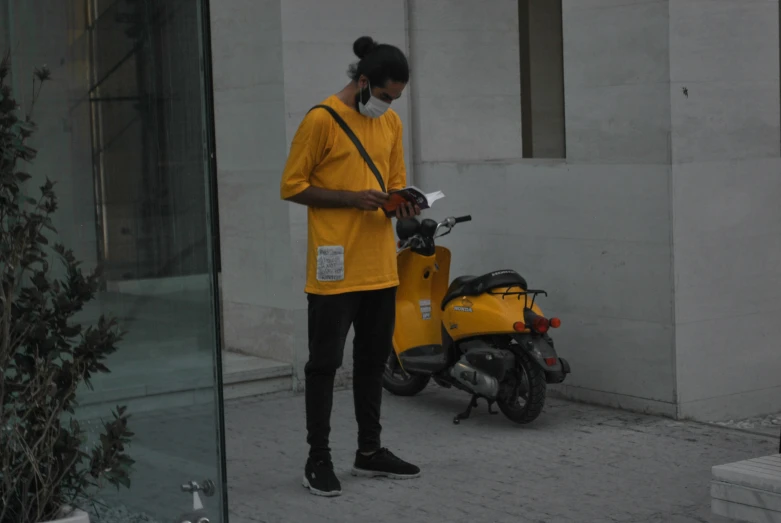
x=365 y=473
x=321 y=493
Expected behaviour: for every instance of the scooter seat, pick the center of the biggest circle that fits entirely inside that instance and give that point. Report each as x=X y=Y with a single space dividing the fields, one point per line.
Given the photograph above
x=477 y=285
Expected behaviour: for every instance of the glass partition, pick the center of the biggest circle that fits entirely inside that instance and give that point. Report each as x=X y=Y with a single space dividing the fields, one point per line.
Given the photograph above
x=125 y=131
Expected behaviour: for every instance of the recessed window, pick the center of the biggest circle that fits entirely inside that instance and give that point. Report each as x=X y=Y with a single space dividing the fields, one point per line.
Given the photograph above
x=542 y=78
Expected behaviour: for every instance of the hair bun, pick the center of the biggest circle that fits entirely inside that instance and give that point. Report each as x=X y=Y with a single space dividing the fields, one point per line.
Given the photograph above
x=363 y=46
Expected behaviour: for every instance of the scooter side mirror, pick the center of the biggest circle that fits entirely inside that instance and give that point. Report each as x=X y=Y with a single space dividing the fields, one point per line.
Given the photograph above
x=407 y=228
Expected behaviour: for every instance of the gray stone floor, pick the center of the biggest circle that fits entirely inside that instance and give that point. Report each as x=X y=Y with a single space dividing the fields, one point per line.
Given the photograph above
x=577 y=463
x=769 y=424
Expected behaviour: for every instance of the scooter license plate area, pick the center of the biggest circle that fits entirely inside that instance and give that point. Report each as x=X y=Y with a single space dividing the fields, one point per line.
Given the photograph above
x=541 y=350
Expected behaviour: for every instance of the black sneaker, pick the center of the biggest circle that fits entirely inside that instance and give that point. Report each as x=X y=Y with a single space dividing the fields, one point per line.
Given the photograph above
x=384 y=464
x=320 y=479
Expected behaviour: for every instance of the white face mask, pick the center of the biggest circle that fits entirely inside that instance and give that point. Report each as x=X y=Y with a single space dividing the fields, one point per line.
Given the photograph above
x=374 y=107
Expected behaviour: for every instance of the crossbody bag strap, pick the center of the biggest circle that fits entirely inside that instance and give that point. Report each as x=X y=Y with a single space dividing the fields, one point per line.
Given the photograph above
x=356 y=141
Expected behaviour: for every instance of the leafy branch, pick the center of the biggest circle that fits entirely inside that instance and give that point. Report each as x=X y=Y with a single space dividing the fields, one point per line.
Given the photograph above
x=45 y=355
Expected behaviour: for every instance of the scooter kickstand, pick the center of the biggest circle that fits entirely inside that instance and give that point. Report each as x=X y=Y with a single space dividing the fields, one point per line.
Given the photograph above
x=467 y=412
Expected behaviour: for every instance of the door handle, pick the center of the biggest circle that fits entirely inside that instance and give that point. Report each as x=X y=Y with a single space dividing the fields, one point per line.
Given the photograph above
x=207 y=487
x=198 y=513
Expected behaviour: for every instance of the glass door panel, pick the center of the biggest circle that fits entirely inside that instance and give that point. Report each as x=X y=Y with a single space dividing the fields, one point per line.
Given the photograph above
x=125 y=131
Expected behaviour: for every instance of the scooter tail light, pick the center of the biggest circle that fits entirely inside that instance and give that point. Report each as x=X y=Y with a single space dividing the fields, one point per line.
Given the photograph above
x=538 y=324
x=555 y=323
x=541 y=325
x=550 y=362
x=519 y=326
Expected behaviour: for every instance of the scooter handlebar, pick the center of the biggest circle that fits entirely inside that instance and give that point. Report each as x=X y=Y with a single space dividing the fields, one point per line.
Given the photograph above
x=462 y=219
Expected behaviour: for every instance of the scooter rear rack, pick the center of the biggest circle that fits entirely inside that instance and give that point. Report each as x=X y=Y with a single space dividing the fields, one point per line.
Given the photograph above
x=531 y=292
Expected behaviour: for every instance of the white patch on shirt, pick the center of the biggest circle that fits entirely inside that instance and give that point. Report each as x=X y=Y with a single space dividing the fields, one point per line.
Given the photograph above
x=330 y=263
x=425 y=309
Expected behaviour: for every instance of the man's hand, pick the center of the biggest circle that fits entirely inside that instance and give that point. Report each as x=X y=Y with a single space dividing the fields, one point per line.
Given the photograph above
x=407 y=210
x=368 y=200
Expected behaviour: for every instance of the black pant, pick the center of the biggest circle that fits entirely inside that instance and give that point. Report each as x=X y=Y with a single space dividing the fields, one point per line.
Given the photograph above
x=372 y=314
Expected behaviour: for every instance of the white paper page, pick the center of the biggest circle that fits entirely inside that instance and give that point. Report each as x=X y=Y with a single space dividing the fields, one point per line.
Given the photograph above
x=434 y=196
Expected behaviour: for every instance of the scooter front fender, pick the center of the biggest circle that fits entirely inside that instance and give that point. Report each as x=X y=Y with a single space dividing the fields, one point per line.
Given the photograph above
x=423 y=283
x=541 y=350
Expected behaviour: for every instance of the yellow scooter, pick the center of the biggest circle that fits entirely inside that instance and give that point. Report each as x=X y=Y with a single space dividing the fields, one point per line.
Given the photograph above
x=483 y=334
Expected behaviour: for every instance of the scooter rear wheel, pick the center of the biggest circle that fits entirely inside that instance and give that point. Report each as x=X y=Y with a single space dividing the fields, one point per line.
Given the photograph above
x=524 y=398
x=400 y=383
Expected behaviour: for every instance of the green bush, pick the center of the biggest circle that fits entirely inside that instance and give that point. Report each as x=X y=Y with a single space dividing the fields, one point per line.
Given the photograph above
x=44 y=354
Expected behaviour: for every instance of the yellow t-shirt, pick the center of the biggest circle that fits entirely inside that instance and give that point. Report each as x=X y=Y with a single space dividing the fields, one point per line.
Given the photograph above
x=348 y=249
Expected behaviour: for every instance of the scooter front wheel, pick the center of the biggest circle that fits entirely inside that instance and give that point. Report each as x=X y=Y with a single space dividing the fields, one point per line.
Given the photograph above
x=400 y=383
x=523 y=394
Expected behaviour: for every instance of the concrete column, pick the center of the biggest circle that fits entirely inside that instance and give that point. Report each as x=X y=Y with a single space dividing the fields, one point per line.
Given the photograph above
x=616 y=69
x=724 y=92
x=250 y=130
x=466 y=96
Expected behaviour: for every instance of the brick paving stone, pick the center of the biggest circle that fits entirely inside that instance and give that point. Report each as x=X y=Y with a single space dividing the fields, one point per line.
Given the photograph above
x=576 y=463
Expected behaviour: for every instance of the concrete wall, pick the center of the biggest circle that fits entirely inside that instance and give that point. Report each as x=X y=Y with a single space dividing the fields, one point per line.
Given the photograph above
x=662 y=198
x=594 y=231
x=617 y=73
x=727 y=220
x=465 y=80
x=596 y=237
x=465 y=132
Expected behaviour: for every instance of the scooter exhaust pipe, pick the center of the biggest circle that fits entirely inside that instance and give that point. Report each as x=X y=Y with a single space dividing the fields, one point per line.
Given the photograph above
x=475 y=381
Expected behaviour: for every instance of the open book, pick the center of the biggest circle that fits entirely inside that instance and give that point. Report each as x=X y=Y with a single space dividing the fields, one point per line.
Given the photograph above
x=412 y=195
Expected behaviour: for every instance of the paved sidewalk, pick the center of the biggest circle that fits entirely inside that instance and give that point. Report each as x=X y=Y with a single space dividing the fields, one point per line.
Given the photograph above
x=769 y=424
x=577 y=463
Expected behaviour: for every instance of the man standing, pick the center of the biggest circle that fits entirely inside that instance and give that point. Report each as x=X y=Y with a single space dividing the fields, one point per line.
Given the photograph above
x=351 y=260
